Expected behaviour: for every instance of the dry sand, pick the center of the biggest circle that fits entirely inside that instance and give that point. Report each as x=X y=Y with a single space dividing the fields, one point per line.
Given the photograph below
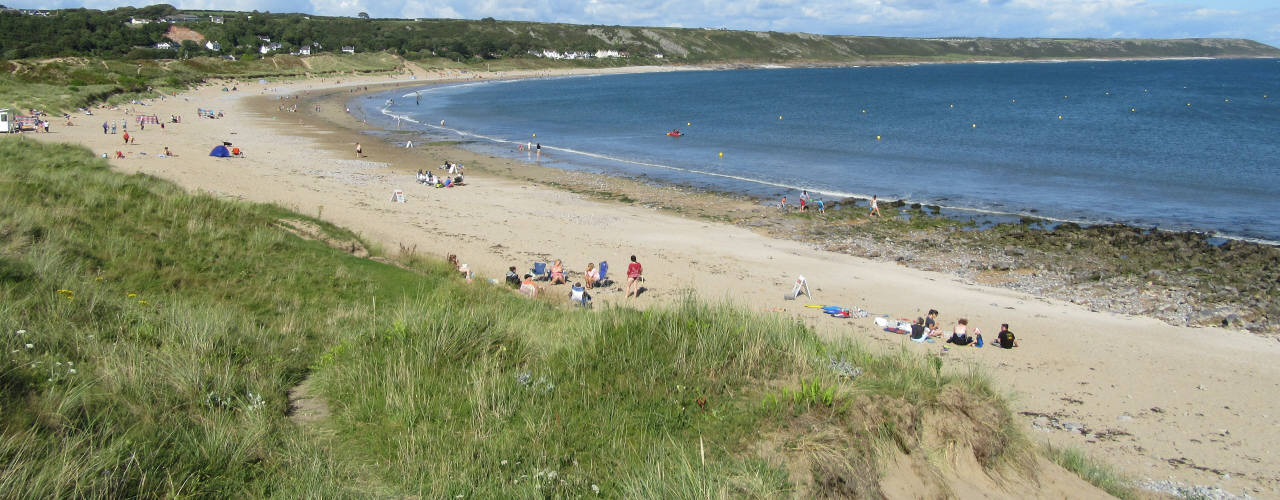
x=1198 y=406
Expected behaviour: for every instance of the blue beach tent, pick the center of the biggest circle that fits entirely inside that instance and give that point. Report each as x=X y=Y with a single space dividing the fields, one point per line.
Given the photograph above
x=220 y=151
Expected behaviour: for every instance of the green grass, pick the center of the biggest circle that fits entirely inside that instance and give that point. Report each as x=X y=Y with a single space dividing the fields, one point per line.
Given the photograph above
x=63 y=85
x=187 y=319
x=1096 y=473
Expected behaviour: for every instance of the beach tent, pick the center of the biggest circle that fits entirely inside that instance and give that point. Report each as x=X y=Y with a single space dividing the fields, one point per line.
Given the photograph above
x=220 y=151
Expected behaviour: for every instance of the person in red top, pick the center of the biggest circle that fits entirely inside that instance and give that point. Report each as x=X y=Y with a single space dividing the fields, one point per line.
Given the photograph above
x=633 y=277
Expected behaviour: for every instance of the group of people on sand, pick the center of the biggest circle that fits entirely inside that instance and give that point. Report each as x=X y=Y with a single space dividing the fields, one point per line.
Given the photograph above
x=556 y=275
x=454 y=177
x=926 y=328
x=806 y=202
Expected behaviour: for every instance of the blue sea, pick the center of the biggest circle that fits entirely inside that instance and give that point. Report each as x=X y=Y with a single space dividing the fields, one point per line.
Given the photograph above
x=1181 y=145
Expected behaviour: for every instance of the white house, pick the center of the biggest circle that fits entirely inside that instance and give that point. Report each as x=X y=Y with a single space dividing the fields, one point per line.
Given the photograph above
x=305 y=51
x=134 y=20
x=348 y=49
x=212 y=45
x=164 y=46
x=603 y=53
x=216 y=19
x=269 y=47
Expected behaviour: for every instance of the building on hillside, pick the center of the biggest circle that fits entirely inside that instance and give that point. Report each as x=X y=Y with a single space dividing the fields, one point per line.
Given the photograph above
x=264 y=38
x=269 y=47
x=180 y=18
x=657 y=55
x=34 y=12
x=607 y=53
x=135 y=20
x=348 y=49
x=304 y=51
x=212 y=45
x=165 y=46
x=217 y=19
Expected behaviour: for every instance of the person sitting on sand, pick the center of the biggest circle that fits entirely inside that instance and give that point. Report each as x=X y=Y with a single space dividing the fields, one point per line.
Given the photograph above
x=513 y=278
x=528 y=287
x=931 y=323
x=1005 y=338
x=557 y=273
x=960 y=334
x=592 y=275
x=579 y=295
x=918 y=332
x=422 y=178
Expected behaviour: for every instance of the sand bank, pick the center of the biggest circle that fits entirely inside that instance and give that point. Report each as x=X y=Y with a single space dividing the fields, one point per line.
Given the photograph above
x=1195 y=405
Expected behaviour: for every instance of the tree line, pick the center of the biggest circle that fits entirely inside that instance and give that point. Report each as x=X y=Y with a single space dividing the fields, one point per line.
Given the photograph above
x=88 y=32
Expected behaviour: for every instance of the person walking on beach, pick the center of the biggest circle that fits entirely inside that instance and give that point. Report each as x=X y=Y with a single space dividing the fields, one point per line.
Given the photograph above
x=104 y=128
x=782 y=205
x=538 y=147
x=822 y=207
x=875 y=207
x=359 y=150
x=633 y=277
x=126 y=138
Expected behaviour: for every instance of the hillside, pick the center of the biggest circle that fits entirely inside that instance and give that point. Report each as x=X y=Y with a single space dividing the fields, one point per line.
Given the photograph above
x=130 y=32
x=161 y=343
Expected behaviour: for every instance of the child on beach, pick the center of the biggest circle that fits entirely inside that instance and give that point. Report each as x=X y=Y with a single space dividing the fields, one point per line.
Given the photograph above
x=875 y=207
x=359 y=150
x=633 y=277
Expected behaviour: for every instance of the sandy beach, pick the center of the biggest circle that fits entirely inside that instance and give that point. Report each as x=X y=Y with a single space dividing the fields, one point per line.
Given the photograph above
x=1197 y=406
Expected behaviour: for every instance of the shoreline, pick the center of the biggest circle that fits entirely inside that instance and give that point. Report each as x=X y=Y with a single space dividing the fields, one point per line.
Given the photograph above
x=1123 y=295
x=1100 y=372
x=956 y=212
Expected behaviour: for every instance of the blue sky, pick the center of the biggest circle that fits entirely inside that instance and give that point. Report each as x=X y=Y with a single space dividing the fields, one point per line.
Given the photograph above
x=1255 y=19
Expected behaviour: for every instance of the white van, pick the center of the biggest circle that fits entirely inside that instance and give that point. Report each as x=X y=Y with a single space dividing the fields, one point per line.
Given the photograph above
x=6 y=121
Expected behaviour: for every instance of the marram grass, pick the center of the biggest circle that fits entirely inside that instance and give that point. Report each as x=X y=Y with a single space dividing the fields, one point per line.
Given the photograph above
x=151 y=336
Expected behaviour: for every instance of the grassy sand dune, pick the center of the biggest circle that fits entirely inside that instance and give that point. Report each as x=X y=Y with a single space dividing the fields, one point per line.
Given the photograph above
x=152 y=336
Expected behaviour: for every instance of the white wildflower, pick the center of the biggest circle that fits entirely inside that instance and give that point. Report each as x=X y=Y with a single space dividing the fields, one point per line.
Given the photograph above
x=504 y=462
x=22 y=332
x=595 y=489
x=57 y=363
x=29 y=346
x=72 y=370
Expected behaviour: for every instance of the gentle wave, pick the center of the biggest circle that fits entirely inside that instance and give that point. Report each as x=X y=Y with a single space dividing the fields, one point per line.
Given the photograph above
x=795 y=187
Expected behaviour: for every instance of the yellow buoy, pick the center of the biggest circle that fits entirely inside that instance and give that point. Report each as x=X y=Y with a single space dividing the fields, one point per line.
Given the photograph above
x=535 y=135
x=779 y=117
x=722 y=154
x=953 y=105
x=864 y=111
x=1064 y=97
x=1059 y=117
x=1188 y=104
x=975 y=125
x=877 y=137
x=688 y=124
x=1108 y=93
x=1135 y=110
x=1226 y=100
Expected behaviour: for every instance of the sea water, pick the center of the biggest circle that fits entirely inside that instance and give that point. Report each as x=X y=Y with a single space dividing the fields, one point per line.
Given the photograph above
x=1182 y=145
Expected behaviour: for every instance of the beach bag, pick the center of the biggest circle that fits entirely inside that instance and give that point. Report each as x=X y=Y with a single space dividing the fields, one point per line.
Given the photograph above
x=979 y=342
